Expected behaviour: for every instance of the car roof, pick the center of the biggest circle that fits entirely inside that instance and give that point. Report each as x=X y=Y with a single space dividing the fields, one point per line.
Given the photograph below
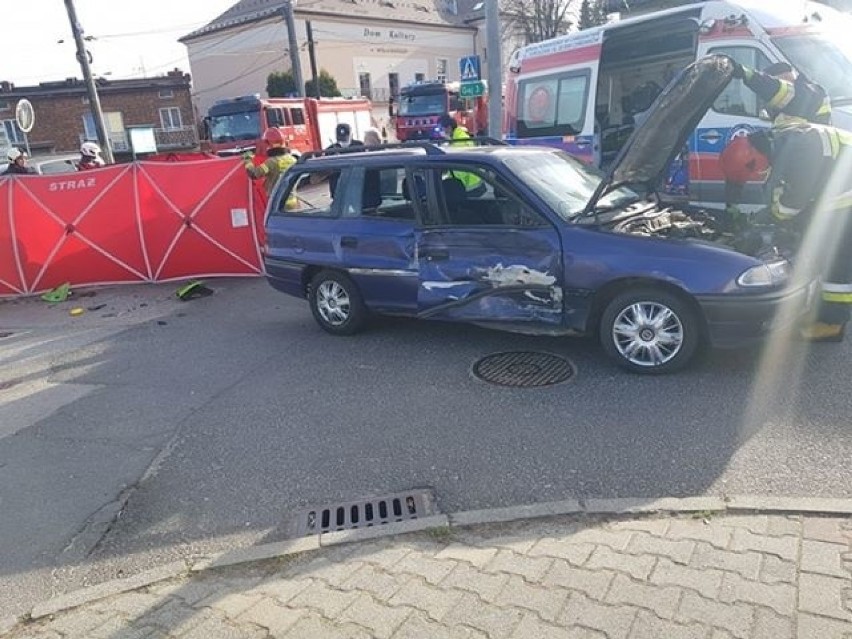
x=406 y=152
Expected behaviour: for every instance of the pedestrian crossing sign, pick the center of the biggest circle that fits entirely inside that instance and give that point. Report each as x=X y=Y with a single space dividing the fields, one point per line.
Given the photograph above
x=469 y=68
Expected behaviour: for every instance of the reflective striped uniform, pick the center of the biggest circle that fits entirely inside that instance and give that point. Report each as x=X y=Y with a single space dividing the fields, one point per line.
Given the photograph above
x=807 y=161
x=271 y=169
x=790 y=102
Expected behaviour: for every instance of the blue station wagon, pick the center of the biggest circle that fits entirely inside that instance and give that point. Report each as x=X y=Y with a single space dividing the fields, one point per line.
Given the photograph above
x=530 y=239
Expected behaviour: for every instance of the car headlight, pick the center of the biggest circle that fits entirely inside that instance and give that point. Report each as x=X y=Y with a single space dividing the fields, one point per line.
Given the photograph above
x=771 y=274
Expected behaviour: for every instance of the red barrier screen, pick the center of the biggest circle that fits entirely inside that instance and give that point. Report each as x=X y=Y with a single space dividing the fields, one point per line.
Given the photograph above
x=147 y=221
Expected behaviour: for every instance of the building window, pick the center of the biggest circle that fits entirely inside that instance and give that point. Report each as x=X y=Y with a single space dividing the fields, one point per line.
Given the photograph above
x=84 y=99
x=114 y=123
x=419 y=77
x=5 y=105
x=13 y=131
x=170 y=118
x=365 y=85
x=393 y=84
x=166 y=94
x=441 y=69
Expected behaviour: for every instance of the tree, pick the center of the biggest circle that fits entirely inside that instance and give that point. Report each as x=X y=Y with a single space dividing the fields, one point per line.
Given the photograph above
x=592 y=14
x=280 y=84
x=327 y=85
x=537 y=20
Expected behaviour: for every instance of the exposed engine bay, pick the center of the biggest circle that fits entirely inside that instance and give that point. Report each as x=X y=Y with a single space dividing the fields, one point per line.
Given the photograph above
x=756 y=234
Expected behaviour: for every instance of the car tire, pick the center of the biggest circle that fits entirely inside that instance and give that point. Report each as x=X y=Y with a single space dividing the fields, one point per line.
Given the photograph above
x=650 y=331
x=336 y=303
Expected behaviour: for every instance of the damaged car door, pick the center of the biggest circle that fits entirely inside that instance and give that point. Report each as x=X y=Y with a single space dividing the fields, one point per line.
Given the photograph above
x=483 y=254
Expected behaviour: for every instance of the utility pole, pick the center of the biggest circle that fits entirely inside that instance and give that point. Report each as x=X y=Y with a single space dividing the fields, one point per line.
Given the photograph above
x=295 y=63
x=94 y=100
x=494 y=65
x=312 y=56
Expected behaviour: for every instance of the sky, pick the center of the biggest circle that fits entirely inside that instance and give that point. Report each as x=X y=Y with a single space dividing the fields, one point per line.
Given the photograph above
x=132 y=37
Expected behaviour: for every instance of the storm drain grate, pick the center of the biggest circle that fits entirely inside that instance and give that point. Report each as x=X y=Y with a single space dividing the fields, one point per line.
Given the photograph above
x=523 y=369
x=364 y=513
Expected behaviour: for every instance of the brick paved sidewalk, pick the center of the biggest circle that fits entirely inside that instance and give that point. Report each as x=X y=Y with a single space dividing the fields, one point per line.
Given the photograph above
x=741 y=576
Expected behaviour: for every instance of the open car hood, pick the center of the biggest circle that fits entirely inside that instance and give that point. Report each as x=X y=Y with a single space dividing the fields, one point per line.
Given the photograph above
x=674 y=115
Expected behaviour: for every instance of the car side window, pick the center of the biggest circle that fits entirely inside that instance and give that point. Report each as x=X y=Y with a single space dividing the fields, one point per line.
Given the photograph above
x=737 y=98
x=477 y=196
x=309 y=195
x=383 y=194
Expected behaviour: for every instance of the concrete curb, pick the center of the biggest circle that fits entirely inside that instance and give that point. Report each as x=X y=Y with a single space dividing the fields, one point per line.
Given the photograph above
x=7 y=624
x=513 y=513
x=597 y=507
x=108 y=589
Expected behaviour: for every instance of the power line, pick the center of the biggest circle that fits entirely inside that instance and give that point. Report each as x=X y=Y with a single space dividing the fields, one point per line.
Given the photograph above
x=240 y=31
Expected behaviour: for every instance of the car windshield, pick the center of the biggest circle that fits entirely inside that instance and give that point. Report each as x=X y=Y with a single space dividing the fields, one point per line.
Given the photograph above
x=435 y=104
x=823 y=61
x=566 y=184
x=235 y=126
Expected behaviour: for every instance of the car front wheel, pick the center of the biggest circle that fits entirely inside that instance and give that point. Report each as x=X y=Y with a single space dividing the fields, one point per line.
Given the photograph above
x=650 y=331
x=336 y=303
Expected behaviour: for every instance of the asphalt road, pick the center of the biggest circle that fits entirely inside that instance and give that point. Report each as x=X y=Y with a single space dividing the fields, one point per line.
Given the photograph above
x=171 y=430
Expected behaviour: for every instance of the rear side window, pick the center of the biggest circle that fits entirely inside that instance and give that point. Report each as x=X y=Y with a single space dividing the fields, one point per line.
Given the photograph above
x=297 y=116
x=314 y=194
x=382 y=194
x=553 y=105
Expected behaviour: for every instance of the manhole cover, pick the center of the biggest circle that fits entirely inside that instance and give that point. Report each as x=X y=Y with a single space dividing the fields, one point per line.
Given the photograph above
x=364 y=513
x=523 y=368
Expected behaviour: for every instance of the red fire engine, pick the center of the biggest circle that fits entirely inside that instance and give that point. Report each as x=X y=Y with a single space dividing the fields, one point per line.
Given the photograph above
x=421 y=105
x=237 y=124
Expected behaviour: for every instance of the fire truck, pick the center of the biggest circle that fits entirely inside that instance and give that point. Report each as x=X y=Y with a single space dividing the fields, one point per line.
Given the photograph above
x=421 y=105
x=236 y=125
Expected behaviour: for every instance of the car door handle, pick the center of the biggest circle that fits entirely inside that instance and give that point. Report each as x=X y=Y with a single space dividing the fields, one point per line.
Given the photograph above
x=348 y=241
x=436 y=254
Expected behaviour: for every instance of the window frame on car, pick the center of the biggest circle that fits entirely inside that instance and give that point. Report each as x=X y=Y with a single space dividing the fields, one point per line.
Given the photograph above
x=434 y=174
x=291 y=180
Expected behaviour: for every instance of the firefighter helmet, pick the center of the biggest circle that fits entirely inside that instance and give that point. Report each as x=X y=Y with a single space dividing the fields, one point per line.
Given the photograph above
x=273 y=137
x=90 y=150
x=741 y=162
x=14 y=153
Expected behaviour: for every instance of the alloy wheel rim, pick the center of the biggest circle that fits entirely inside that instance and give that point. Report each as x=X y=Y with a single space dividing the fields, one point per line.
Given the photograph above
x=648 y=334
x=333 y=303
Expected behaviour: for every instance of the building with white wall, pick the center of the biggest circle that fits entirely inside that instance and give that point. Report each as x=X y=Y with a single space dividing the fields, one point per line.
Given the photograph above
x=371 y=47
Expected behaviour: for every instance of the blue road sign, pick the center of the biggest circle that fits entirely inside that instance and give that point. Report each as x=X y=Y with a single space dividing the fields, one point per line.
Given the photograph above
x=469 y=68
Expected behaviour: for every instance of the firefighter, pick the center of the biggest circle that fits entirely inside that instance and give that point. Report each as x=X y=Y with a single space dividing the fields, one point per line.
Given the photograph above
x=17 y=163
x=790 y=97
x=343 y=137
x=90 y=157
x=802 y=158
x=459 y=136
x=344 y=140
x=278 y=161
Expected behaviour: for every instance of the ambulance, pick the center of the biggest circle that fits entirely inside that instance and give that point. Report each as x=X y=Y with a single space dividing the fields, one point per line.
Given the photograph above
x=585 y=92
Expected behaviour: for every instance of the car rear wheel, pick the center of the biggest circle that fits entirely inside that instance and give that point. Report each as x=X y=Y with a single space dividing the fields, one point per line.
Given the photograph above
x=650 y=331
x=336 y=303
